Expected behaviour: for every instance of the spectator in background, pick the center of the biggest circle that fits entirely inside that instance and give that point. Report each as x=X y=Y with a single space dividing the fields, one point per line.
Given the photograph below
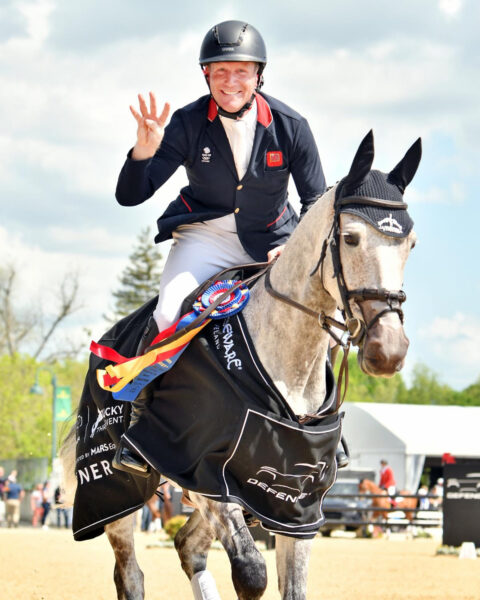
x=13 y=496
x=3 y=481
x=437 y=490
x=46 y=503
x=424 y=502
x=36 y=500
x=166 y=508
x=387 y=478
x=60 y=508
x=146 y=519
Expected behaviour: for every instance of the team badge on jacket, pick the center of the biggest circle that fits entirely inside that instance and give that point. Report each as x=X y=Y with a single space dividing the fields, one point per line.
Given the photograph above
x=274 y=159
x=206 y=155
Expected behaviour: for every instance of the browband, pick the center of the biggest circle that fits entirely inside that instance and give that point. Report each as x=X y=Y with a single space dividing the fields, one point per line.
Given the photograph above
x=367 y=200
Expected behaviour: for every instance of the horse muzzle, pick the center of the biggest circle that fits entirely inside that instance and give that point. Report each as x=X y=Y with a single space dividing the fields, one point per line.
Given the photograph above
x=385 y=345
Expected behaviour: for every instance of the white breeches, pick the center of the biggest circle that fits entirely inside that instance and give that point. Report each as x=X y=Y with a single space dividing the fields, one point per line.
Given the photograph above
x=199 y=250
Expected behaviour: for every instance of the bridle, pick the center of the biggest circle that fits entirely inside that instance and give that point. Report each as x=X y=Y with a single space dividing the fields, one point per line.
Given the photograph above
x=357 y=328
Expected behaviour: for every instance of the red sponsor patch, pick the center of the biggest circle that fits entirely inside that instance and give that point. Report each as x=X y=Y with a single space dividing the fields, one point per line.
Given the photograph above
x=274 y=159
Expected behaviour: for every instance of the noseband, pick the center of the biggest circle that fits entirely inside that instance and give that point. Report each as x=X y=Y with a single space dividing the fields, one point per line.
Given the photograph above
x=357 y=328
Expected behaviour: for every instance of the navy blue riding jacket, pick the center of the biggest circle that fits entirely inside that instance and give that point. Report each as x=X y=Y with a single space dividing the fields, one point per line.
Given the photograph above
x=195 y=138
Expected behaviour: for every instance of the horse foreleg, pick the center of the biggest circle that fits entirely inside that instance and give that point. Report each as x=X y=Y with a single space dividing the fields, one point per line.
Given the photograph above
x=192 y=543
x=292 y=556
x=249 y=572
x=127 y=575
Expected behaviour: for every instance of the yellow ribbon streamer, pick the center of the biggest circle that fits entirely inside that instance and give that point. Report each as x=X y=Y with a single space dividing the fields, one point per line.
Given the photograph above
x=130 y=369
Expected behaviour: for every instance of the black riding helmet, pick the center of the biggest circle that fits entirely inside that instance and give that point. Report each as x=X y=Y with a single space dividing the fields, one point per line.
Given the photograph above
x=234 y=41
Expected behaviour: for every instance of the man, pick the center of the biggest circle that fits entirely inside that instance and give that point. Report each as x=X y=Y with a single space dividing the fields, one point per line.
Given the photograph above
x=3 y=481
x=387 y=479
x=13 y=496
x=238 y=147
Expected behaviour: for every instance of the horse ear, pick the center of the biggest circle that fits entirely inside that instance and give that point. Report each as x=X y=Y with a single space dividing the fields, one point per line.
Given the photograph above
x=362 y=163
x=403 y=173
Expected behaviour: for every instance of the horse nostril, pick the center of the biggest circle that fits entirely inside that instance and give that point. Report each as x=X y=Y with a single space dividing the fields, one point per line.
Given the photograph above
x=378 y=359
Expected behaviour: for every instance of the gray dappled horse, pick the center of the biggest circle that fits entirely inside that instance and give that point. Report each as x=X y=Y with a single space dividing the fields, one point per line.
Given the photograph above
x=341 y=255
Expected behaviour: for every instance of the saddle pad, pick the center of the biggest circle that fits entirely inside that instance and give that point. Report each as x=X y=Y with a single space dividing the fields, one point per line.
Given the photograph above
x=218 y=426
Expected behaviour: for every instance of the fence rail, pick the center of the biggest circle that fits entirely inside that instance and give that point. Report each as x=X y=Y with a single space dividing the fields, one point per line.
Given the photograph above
x=428 y=518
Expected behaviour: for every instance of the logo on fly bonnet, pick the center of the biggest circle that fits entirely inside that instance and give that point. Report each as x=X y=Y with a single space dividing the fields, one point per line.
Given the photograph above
x=390 y=225
x=289 y=487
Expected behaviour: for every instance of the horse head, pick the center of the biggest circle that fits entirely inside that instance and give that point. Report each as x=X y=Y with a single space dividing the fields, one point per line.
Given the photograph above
x=370 y=241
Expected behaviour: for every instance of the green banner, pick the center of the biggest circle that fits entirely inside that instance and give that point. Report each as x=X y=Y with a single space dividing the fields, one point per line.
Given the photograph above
x=63 y=403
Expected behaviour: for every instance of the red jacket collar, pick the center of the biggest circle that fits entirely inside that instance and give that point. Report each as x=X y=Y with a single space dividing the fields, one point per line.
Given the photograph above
x=264 y=114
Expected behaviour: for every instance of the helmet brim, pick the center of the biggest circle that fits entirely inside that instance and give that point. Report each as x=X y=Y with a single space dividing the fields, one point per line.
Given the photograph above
x=233 y=58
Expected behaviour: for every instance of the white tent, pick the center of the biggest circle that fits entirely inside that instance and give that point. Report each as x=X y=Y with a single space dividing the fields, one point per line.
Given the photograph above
x=404 y=434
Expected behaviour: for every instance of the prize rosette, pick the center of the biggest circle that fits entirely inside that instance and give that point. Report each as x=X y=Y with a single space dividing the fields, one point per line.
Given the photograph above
x=232 y=304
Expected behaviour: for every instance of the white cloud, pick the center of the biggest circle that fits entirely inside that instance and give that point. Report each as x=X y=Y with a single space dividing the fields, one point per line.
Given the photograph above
x=37 y=19
x=454 y=342
x=453 y=195
x=450 y=8
x=40 y=274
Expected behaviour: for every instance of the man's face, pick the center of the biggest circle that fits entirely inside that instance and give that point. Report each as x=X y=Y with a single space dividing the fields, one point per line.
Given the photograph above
x=232 y=83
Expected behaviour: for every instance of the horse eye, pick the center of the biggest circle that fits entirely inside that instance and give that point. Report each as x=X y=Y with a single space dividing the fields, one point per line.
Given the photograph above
x=414 y=243
x=351 y=239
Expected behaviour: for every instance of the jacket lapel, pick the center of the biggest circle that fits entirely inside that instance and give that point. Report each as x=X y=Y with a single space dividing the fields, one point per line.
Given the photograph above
x=216 y=133
x=261 y=142
x=263 y=133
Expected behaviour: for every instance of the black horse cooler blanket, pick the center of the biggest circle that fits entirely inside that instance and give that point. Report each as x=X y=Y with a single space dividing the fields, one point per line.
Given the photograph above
x=217 y=426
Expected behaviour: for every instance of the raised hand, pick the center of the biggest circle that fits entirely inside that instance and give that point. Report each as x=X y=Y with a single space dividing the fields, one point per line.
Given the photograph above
x=150 y=128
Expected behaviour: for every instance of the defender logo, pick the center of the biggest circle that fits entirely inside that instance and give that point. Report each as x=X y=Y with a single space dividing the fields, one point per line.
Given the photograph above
x=464 y=489
x=206 y=155
x=390 y=224
x=289 y=487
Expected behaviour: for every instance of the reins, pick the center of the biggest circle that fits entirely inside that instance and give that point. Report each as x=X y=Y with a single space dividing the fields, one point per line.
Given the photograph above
x=263 y=267
x=324 y=320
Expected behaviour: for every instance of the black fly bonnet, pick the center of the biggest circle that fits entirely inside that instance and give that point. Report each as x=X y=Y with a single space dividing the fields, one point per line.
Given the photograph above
x=377 y=198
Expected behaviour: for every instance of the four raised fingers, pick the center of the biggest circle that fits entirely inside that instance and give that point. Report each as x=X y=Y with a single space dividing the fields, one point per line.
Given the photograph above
x=152 y=113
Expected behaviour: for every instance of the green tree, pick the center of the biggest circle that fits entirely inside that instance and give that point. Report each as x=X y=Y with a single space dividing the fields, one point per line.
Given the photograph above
x=470 y=396
x=365 y=388
x=25 y=418
x=427 y=389
x=140 y=279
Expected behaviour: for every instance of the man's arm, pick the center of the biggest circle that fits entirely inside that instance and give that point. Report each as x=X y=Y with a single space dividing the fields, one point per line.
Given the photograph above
x=306 y=167
x=156 y=155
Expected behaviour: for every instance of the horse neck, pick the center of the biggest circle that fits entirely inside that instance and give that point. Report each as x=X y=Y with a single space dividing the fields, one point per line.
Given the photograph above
x=290 y=344
x=373 y=487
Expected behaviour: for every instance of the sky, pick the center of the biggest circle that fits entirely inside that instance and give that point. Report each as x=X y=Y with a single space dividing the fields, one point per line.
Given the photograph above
x=69 y=70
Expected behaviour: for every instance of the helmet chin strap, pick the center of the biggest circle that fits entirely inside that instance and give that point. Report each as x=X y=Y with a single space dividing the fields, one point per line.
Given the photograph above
x=239 y=113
